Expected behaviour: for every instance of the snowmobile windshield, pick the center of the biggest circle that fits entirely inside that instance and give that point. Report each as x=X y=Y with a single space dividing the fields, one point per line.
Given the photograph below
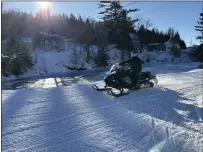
x=115 y=67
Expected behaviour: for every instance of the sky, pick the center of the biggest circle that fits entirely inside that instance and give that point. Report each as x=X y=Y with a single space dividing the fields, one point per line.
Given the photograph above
x=183 y=16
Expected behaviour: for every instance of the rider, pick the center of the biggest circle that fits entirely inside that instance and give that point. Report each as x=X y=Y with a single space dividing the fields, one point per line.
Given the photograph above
x=135 y=64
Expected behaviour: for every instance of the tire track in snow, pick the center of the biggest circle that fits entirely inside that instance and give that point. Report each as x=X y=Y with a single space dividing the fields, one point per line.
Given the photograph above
x=96 y=131
x=102 y=123
x=118 y=102
x=148 y=132
x=148 y=107
x=68 y=133
x=133 y=100
x=137 y=111
x=92 y=110
x=42 y=123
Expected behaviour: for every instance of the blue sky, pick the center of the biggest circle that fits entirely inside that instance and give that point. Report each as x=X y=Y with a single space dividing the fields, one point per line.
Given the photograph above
x=183 y=16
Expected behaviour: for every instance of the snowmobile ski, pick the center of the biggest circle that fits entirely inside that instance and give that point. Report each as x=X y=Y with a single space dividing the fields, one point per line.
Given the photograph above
x=121 y=93
x=100 y=89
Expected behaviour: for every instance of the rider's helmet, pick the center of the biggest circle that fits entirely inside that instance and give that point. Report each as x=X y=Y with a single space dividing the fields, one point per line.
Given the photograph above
x=134 y=54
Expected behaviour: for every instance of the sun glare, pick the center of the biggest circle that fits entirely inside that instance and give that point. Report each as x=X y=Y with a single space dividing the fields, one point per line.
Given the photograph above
x=44 y=5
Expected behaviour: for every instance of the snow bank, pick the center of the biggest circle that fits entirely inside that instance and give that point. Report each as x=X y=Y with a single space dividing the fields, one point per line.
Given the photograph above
x=53 y=62
x=74 y=55
x=165 y=56
x=50 y=62
x=162 y=56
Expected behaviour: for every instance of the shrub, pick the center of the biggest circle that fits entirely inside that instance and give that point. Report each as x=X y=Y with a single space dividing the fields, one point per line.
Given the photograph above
x=198 y=53
x=16 y=57
x=175 y=50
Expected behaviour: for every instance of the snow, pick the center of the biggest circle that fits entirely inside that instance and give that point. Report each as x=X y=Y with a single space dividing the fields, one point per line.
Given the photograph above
x=52 y=62
x=164 y=56
x=166 y=118
x=169 y=44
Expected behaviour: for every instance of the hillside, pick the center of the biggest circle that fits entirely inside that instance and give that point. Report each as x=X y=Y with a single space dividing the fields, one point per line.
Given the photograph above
x=52 y=61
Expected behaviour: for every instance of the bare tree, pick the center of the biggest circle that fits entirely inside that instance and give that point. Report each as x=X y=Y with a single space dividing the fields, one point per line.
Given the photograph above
x=139 y=23
x=148 y=24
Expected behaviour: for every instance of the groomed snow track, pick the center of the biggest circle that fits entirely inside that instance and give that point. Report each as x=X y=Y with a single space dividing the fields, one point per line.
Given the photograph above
x=167 y=118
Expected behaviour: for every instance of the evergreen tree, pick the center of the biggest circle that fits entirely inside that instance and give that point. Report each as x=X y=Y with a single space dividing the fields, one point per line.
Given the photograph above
x=199 y=27
x=176 y=37
x=171 y=32
x=112 y=12
x=182 y=44
x=179 y=41
x=119 y=24
x=111 y=15
x=175 y=50
x=198 y=53
x=101 y=42
x=124 y=41
x=17 y=56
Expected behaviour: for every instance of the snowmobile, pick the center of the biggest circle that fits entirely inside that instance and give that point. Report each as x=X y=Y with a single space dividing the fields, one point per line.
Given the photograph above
x=114 y=82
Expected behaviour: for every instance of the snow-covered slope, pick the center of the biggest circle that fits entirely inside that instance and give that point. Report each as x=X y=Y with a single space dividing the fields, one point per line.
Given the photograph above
x=54 y=62
x=74 y=55
x=167 y=118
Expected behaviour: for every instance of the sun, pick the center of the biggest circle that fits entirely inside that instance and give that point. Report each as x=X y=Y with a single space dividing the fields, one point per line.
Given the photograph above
x=44 y=5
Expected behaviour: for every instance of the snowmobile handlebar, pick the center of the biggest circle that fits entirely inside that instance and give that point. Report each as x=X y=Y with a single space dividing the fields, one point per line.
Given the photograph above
x=118 y=67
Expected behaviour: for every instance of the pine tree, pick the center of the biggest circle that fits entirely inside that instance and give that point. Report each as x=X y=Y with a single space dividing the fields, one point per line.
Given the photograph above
x=101 y=43
x=17 y=56
x=118 y=22
x=111 y=13
x=198 y=54
x=199 y=27
x=110 y=17
x=177 y=40
x=176 y=37
x=182 y=44
x=171 y=32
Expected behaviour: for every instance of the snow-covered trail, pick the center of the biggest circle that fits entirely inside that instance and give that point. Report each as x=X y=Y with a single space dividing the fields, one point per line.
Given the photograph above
x=89 y=76
x=56 y=80
x=166 y=118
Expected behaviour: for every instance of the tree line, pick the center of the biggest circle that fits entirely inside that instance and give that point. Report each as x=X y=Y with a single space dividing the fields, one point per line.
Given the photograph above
x=113 y=29
x=115 y=21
